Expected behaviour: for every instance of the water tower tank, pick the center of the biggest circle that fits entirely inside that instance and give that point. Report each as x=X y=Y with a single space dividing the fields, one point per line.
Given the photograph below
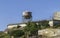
x=56 y=16
x=27 y=14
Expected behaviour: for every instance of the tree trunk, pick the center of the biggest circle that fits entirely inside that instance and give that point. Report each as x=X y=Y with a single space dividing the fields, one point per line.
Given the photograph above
x=26 y=35
x=37 y=34
x=12 y=36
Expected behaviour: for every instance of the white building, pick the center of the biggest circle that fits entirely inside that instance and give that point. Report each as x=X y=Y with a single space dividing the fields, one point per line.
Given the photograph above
x=56 y=16
x=18 y=25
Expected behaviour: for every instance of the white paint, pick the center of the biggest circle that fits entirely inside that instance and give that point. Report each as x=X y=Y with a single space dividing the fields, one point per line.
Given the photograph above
x=51 y=23
x=57 y=16
x=11 y=26
x=22 y=25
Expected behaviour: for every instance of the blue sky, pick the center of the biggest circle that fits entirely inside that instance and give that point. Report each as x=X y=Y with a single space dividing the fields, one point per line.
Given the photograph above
x=11 y=10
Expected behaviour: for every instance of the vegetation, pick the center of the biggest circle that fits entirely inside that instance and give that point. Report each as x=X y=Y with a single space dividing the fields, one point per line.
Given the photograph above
x=4 y=35
x=56 y=26
x=43 y=24
x=31 y=29
x=16 y=33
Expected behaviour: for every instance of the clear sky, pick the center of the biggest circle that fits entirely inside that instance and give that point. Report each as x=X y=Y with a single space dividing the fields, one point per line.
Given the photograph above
x=11 y=10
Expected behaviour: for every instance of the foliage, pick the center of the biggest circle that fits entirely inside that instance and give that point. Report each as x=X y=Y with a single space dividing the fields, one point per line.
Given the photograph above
x=16 y=33
x=30 y=29
x=30 y=26
x=33 y=28
x=43 y=24
x=56 y=26
x=4 y=35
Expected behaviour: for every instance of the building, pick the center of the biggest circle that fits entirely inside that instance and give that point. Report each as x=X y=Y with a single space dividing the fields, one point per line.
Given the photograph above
x=17 y=25
x=56 y=16
x=27 y=17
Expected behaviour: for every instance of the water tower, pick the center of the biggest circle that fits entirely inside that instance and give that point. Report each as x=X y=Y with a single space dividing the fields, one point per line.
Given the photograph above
x=27 y=16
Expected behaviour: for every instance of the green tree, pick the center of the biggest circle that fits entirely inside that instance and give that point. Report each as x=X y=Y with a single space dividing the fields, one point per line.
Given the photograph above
x=4 y=35
x=16 y=33
x=57 y=26
x=43 y=24
x=30 y=29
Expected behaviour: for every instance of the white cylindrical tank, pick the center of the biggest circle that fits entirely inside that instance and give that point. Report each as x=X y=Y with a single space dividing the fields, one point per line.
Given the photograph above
x=56 y=16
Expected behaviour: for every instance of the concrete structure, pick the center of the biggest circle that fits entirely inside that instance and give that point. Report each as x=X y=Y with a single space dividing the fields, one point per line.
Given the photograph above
x=53 y=33
x=51 y=23
x=21 y=25
x=56 y=16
